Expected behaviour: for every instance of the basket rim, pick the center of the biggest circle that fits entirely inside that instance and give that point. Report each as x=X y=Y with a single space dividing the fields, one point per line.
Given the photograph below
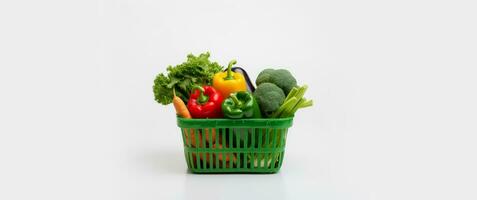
x=235 y=123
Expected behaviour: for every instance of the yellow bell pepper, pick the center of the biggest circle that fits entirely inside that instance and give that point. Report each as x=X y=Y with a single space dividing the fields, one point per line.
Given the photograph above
x=229 y=82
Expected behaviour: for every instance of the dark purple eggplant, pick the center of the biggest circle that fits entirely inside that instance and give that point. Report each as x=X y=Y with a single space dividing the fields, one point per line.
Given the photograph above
x=240 y=70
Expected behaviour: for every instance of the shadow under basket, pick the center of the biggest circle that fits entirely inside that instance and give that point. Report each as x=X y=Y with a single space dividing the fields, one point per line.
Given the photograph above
x=234 y=145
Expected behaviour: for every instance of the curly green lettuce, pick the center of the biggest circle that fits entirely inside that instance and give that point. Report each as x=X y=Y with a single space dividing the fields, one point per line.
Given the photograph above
x=197 y=70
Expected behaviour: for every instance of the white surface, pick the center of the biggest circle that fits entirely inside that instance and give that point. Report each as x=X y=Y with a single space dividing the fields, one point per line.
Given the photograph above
x=394 y=83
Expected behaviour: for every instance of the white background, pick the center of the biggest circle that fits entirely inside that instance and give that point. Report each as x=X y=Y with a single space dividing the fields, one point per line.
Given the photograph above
x=394 y=84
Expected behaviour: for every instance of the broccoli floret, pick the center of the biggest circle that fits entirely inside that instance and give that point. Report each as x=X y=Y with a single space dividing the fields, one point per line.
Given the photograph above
x=280 y=77
x=269 y=97
x=264 y=76
x=284 y=79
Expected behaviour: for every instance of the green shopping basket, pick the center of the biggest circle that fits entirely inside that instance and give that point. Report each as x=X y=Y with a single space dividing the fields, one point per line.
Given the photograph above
x=234 y=145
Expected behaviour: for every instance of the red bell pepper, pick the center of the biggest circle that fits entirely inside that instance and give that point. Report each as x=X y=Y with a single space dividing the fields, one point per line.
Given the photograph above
x=205 y=102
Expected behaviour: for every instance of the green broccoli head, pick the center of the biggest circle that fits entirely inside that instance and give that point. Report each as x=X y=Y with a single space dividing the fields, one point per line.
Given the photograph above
x=264 y=76
x=269 y=97
x=280 y=77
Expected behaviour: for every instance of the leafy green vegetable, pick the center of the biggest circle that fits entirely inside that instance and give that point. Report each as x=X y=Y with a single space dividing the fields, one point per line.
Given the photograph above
x=197 y=70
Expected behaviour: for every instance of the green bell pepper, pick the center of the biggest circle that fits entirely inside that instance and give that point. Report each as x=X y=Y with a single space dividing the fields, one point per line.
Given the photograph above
x=241 y=105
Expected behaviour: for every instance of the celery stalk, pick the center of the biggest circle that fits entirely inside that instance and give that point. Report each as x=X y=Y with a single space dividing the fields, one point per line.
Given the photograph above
x=291 y=94
x=285 y=105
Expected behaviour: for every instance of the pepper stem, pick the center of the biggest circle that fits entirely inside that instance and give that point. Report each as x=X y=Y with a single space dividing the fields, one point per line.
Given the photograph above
x=202 y=98
x=229 y=70
x=236 y=100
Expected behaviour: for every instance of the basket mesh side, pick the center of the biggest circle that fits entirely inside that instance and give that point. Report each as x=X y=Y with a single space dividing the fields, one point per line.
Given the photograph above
x=234 y=150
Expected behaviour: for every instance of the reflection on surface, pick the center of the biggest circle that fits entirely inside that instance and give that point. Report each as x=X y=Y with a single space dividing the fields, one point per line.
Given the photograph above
x=235 y=186
x=164 y=162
